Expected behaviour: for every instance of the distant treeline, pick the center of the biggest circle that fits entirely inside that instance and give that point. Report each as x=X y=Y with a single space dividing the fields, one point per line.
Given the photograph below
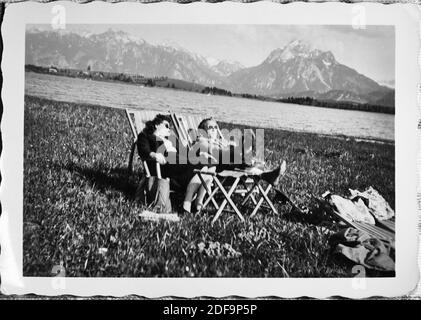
x=217 y=91
x=223 y=92
x=97 y=75
x=308 y=101
x=166 y=82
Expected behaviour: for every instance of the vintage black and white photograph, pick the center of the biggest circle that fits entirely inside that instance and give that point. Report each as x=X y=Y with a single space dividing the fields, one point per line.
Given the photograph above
x=107 y=106
x=187 y=152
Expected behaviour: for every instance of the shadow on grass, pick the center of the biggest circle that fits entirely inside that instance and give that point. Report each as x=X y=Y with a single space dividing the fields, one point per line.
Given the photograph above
x=120 y=180
x=116 y=179
x=313 y=214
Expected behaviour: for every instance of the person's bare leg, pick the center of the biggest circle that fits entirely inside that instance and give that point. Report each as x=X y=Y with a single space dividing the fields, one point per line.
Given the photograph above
x=192 y=188
x=198 y=203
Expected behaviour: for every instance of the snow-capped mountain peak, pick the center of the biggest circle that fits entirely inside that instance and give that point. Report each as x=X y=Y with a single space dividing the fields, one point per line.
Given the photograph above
x=115 y=36
x=296 y=48
x=299 y=68
x=300 y=46
x=212 y=61
x=226 y=67
x=171 y=44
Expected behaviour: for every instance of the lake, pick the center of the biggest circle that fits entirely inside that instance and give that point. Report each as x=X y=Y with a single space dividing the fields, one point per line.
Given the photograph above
x=237 y=110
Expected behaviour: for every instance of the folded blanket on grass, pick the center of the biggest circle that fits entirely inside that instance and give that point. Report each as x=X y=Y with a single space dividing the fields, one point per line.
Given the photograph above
x=363 y=249
x=153 y=216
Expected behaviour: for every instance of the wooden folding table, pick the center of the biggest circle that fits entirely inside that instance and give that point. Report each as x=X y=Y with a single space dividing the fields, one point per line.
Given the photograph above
x=251 y=184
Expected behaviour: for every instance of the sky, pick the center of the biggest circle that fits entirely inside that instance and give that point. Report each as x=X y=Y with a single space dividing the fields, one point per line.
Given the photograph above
x=370 y=51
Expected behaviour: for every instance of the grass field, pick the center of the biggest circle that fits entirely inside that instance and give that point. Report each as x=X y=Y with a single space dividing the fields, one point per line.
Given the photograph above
x=79 y=206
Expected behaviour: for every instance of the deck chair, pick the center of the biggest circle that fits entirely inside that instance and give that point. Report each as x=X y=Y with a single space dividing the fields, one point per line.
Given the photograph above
x=137 y=120
x=186 y=127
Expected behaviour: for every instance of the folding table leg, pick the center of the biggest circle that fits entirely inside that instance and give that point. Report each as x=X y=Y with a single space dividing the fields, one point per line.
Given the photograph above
x=257 y=207
x=264 y=194
x=249 y=194
x=227 y=199
x=211 y=198
x=260 y=202
x=210 y=194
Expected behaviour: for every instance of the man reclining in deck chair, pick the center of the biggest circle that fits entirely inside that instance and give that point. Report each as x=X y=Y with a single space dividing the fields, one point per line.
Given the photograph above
x=216 y=152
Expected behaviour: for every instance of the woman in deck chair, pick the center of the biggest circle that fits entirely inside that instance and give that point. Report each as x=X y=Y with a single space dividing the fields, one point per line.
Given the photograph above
x=155 y=147
x=210 y=146
x=219 y=150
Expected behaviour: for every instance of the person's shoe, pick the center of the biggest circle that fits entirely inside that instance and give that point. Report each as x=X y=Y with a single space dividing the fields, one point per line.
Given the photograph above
x=186 y=207
x=272 y=177
x=198 y=209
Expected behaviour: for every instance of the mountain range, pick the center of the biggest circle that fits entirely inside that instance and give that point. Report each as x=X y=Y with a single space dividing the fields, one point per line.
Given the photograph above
x=294 y=70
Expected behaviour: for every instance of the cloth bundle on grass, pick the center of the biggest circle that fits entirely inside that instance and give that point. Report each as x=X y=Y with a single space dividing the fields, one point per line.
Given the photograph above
x=363 y=212
x=376 y=204
x=365 y=250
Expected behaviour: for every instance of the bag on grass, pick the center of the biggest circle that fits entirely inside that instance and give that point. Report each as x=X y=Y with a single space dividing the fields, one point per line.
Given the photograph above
x=158 y=194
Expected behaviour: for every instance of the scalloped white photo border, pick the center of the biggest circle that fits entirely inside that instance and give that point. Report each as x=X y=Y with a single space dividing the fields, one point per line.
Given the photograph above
x=405 y=18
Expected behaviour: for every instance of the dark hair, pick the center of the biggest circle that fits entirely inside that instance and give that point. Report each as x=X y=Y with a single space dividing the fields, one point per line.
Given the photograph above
x=159 y=118
x=203 y=123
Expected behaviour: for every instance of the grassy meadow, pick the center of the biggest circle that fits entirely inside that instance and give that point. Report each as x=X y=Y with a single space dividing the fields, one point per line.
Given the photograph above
x=79 y=206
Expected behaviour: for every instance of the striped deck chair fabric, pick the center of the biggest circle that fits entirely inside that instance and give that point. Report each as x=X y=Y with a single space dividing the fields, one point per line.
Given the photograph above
x=186 y=127
x=381 y=231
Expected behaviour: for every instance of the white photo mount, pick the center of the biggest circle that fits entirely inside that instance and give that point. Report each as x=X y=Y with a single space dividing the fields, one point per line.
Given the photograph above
x=404 y=18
